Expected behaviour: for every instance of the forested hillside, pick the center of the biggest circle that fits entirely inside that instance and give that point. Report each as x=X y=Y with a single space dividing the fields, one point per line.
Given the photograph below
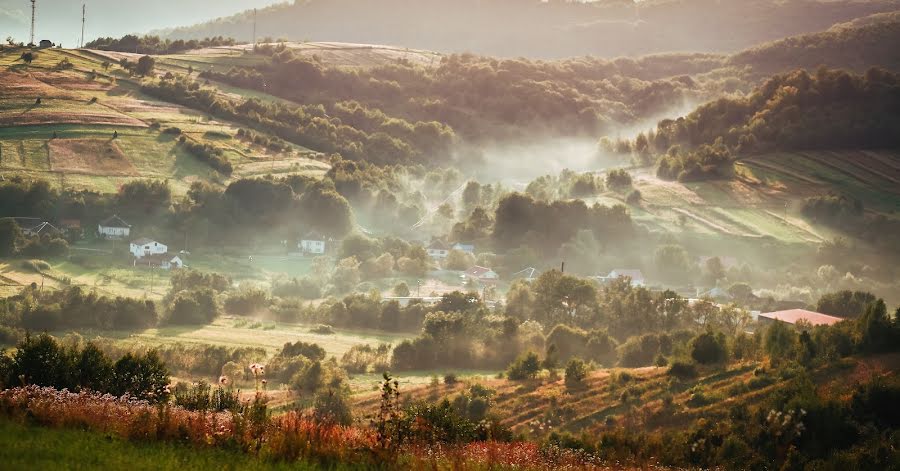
x=533 y=28
x=829 y=109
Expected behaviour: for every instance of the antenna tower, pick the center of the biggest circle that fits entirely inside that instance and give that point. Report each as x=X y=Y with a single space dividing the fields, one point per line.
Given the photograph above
x=31 y=40
x=83 y=13
x=254 y=28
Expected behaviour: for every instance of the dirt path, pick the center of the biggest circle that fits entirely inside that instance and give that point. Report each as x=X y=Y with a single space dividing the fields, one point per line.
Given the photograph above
x=710 y=224
x=797 y=226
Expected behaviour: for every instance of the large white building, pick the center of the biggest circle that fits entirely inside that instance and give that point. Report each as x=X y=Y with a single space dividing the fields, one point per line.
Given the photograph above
x=143 y=247
x=114 y=228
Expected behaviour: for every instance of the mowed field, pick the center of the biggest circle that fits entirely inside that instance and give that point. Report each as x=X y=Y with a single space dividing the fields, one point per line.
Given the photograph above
x=92 y=129
x=764 y=199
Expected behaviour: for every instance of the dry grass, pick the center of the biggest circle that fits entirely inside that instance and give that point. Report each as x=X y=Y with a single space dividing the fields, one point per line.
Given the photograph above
x=89 y=157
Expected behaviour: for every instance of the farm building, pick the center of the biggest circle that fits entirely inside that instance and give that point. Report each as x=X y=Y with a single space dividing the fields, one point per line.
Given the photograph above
x=437 y=249
x=481 y=274
x=144 y=247
x=467 y=248
x=792 y=316
x=636 y=276
x=312 y=243
x=164 y=261
x=113 y=228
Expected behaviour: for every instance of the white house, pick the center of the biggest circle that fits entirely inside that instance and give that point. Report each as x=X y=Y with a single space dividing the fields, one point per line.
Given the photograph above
x=467 y=248
x=437 y=249
x=312 y=243
x=143 y=247
x=113 y=228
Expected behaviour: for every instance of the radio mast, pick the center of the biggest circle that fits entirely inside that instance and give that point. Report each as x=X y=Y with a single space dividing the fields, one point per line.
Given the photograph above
x=31 y=40
x=254 y=28
x=83 y=12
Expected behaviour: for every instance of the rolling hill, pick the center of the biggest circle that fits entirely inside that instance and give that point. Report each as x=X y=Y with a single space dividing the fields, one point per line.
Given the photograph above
x=538 y=29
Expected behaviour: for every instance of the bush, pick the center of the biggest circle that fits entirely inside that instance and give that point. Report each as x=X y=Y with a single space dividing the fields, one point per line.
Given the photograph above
x=576 y=372
x=526 y=366
x=708 y=348
x=450 y=379
x=683 y=369
x=246 y=301
x=639 y=351
x=322 y=329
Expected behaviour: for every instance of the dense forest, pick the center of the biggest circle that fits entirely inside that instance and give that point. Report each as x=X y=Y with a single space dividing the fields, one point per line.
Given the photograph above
x=480 y=97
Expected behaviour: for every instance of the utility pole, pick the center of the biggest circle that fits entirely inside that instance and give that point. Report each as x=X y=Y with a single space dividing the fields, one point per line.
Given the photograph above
x=31 y=40
x=83 y=13
x=254 y=29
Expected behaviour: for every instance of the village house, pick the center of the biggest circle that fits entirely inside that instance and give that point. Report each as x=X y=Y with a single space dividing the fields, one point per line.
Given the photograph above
x=144 y=247
x=481 y=274
x=312 y=243
x=437 y=249
x=113 y=228
x=164 y=261
x=793 y=316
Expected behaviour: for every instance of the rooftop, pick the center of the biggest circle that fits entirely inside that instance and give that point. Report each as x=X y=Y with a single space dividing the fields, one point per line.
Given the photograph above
x=792 y=316
x=143 y=241
x=114 y=221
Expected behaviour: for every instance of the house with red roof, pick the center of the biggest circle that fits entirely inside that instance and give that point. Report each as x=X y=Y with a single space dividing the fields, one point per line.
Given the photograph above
x=792 y=316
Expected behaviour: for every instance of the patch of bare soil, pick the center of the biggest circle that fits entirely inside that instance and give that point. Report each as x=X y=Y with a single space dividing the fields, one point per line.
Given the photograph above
x=72 y=80
x=89 y=157
x=19 y=85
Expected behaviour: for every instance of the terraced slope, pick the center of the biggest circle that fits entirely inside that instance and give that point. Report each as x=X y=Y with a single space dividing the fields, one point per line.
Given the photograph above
x=94 y=129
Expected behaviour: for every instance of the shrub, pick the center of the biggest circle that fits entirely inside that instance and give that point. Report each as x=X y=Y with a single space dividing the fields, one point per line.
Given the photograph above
x=576 y=372
x=683 y=369
x=450 y=379
x=322 y=329
x=526 y=366
x=708 y=348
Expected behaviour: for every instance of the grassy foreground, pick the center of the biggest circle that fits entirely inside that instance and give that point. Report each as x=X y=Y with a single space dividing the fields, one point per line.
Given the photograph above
x=28 y=447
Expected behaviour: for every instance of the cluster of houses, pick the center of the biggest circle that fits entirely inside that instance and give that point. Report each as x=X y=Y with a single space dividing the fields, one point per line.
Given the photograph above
x=145 y=252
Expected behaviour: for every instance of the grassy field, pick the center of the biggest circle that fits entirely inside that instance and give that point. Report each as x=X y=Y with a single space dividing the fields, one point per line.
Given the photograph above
x=29 y=447
x=245 y=332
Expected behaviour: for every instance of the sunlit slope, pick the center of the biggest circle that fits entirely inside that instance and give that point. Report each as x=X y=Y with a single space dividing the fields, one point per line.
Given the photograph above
x=94 y=129
x=645 y=399
x=764 y=198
